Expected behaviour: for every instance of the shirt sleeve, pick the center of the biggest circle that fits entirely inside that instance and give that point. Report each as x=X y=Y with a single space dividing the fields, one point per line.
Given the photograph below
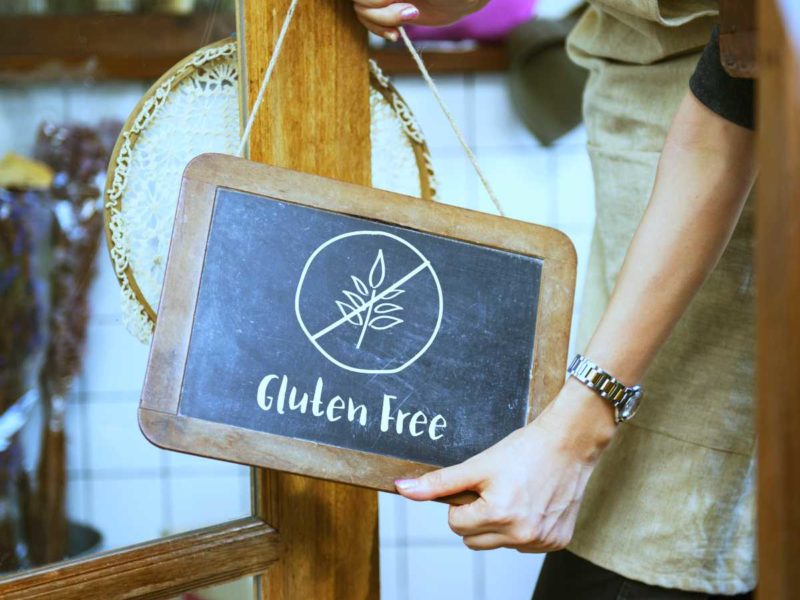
x=729 y=97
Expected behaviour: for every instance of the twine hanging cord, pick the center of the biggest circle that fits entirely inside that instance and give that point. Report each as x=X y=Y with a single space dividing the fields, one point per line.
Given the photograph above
x=267 y=76
x=425 y=75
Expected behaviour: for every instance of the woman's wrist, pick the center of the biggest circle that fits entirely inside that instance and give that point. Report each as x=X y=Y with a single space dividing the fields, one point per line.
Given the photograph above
x=582 y=420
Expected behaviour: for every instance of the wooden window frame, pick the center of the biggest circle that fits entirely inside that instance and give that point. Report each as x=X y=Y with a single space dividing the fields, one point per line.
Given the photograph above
x=159 y=569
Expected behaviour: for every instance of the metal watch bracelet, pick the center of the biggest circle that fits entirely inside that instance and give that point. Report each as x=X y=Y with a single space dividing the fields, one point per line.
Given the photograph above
x=625 y=400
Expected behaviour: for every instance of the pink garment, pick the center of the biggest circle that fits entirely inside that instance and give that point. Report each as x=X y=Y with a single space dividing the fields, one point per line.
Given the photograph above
x=490 y=24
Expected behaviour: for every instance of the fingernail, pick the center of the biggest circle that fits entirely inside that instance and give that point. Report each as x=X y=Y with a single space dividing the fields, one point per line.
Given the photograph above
x=406 y=484
x=409 y=12
x=391 y=36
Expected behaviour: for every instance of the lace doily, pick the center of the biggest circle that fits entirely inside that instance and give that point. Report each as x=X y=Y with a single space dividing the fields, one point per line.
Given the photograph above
x=193 y=109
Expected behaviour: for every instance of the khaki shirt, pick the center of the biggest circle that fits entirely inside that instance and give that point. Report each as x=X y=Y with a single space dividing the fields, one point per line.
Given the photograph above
x=671 y=502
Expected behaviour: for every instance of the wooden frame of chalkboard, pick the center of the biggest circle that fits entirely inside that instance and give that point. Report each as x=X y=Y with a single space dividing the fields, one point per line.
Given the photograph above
x=161 y=420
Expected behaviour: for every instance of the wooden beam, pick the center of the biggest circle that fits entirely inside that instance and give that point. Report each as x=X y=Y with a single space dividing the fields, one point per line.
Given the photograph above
x=315 y=118
x=778 y=300
x=161 y=569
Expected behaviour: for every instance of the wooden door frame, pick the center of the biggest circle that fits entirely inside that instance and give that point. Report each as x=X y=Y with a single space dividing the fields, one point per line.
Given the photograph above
x=778 y=299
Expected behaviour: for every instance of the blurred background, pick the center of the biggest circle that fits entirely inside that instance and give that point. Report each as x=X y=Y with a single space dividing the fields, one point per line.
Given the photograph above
x=76 y=475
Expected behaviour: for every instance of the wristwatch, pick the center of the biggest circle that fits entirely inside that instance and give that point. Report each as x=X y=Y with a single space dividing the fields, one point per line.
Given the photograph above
x=625 y=400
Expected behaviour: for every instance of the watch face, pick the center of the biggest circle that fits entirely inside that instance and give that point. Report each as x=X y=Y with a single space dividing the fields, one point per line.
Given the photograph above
x=628 y=408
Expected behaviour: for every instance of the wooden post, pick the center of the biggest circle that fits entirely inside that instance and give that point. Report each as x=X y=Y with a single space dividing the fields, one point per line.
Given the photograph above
x=778 y=272
x=315 y=118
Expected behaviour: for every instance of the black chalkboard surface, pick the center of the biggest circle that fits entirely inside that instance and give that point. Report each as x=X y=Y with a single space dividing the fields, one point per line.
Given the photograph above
x=357 y=334
x=342 y=332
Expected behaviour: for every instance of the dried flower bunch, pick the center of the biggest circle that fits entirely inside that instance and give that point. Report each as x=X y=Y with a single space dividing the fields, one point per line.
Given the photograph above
x=21 y=307
x=78 y=155
x=21 y=337
x=43 y=319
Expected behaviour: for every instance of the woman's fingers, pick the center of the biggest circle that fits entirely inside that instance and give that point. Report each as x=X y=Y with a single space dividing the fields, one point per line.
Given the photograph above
x=385 y=32
x=442 y=482
x=492 y=540
x=374 y=3
x=471 y=519
x=486 y=541
x=389 y=16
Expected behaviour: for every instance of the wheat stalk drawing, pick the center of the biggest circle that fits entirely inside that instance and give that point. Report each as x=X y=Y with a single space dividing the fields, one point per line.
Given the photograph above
x=378 y=315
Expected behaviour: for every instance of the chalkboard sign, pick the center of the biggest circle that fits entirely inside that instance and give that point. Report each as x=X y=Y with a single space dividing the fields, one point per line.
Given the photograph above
x=349 y=333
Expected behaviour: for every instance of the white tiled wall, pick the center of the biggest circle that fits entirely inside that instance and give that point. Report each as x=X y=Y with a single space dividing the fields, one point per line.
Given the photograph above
x=133 y=491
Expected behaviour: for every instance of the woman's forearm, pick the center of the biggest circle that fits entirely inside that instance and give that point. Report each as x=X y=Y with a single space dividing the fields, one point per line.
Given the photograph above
x=704 y=176
x=703 y=179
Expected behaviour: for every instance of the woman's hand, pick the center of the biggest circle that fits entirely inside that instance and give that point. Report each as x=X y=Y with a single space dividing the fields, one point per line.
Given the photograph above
x=530 y=483
x=383 y=17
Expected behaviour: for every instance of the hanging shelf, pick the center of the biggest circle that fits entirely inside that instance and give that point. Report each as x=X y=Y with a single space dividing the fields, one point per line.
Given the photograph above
x=143 y=46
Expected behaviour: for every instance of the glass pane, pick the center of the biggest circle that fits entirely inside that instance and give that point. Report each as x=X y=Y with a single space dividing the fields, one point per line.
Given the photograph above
x=76 y=475
x=241 y=589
